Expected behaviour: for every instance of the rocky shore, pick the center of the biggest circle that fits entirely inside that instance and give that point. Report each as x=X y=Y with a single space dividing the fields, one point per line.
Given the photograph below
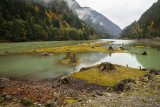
x=73 y=92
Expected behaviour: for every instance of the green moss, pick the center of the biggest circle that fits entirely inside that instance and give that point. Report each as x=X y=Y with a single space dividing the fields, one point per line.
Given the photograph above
x=143 y=47
x=69 y=101
x=157 y=99
x=108 y=79
x=1 y=99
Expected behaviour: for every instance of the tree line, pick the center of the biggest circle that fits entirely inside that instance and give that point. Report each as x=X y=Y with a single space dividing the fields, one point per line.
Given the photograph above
x=148 y=26
x=31 y=20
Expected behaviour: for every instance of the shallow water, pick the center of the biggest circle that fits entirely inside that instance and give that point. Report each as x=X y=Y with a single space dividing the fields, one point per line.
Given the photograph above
x=35 y=67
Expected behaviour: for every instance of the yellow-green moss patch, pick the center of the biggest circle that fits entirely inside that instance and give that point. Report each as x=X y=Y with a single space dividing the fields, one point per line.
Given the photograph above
x=84 y=47
x=108 y=79
x=67 y=62
x=143 y=47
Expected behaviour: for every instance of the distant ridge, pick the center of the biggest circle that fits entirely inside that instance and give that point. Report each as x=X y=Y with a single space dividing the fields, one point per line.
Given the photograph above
x=98 y=21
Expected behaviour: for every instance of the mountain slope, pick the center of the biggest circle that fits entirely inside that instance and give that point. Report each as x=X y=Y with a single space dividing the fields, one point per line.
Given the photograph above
x=148 y=26
x=98 y=21
x=28 y=20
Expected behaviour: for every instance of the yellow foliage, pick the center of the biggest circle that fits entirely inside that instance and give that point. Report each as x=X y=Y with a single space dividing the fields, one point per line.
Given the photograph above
x=50 y=15
x=36 y=8
x=42 y=32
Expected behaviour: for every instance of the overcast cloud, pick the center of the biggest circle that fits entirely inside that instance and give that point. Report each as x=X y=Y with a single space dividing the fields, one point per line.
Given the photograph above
x=121 y=12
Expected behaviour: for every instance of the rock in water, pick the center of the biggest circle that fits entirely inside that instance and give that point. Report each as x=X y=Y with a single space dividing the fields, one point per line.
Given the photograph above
x=123 y=84
x=45 y=54
x=106 y=67
x=144 y=53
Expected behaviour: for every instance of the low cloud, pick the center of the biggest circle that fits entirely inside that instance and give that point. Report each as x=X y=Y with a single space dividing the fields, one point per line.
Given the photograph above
x=121 y=12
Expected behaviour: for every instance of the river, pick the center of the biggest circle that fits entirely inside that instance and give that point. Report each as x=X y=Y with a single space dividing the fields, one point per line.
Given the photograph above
x=35 y=67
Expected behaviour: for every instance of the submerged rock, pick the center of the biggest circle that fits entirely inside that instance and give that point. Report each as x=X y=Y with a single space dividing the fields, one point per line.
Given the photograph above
x=123 y=84
x=106 y=67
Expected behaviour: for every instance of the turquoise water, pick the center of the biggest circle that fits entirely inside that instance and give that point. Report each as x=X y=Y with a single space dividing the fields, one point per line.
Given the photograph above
x=22 y=46
x=36 y=67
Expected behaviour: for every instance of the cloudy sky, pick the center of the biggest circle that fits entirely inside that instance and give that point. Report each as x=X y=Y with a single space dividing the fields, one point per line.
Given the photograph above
x=121 y=12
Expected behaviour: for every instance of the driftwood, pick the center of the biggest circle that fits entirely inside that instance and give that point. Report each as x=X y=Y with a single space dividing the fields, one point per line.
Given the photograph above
x=144 y=53
x=106 y=67
x=110 y=48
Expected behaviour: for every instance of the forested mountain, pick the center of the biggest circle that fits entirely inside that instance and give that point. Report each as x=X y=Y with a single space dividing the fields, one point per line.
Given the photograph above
x=99 y=22
x=30 y=20
x=148 y=26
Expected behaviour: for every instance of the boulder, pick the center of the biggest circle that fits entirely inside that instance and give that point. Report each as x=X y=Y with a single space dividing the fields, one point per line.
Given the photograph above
x=153 y=72
x=83 y=69
x=123 y=85
x=143 y=79
x=106 y=67
x=157 y=72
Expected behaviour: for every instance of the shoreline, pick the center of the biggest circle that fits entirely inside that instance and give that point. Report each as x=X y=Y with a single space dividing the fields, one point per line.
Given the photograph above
x=74 y=92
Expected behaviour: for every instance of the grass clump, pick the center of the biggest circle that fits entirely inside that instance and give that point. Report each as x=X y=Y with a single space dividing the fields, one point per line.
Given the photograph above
x=108 y=78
